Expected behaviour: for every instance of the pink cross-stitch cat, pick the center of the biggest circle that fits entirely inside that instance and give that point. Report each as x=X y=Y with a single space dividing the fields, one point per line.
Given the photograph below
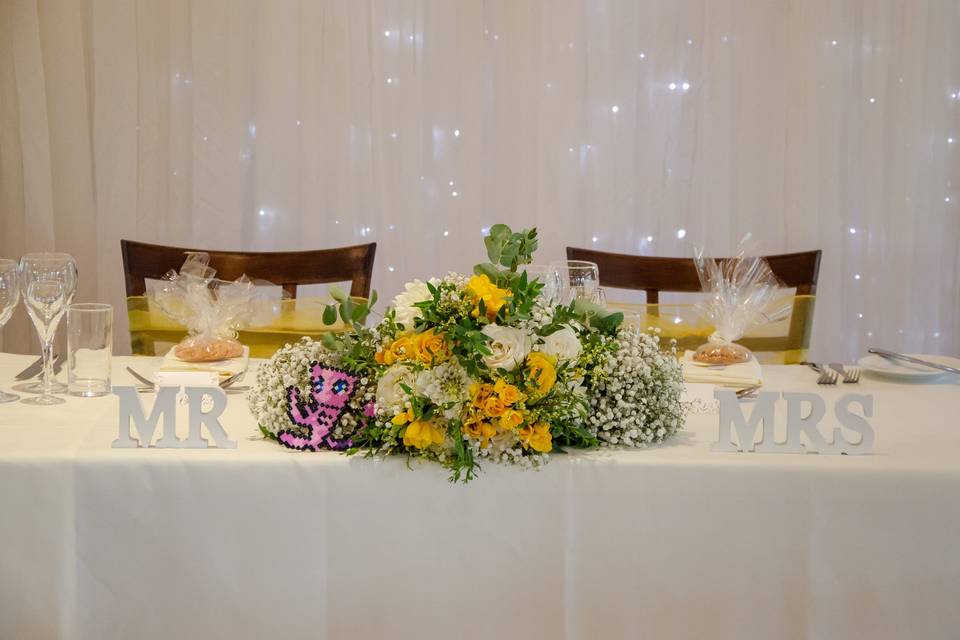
x=315 y=417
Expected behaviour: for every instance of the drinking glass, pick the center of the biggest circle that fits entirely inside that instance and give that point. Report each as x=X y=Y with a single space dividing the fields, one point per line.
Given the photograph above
x=89 y=349
x=549 y=278
x=578 y=279
x=599 y=297
x=9 y=295
x=47 y=282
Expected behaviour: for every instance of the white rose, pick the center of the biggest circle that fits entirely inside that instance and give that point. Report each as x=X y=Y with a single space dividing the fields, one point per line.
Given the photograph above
x=390 y=395
x=509 y=347
x=416 y=291
x=563 y=344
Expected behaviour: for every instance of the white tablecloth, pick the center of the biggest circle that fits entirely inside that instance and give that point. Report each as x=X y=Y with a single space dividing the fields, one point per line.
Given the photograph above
x=673 y=542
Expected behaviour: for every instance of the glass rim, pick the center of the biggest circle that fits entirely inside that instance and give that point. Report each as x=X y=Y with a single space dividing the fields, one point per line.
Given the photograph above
x=46 y=255
x=90 y=306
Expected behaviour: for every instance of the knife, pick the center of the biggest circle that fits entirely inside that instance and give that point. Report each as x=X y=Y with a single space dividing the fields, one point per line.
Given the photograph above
x=899 y=356
x=30 y=371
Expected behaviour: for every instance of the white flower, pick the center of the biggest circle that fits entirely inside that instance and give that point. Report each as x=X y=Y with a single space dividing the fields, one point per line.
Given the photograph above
x=563 y=344
x=390 y=394
x=416 y=291
x=509 y=347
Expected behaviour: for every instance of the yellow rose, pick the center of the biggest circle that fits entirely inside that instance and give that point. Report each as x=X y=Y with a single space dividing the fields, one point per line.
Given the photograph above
x=431 y=347
x=479 y=393
x=402 y=348
x=537 y=437
x=480 y=430
x=508 y=394
x=511 y=419
x=421 y=434
x=493 y=407
x=542 y=371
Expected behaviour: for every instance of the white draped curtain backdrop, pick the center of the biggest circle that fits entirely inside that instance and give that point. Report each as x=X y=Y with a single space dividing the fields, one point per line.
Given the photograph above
x=638 y=126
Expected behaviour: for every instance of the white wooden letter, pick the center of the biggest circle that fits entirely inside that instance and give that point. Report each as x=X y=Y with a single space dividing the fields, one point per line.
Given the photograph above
x=855 y=423
x=198 y=418
x=797 y=423
x=730 y=414
x=131 y=410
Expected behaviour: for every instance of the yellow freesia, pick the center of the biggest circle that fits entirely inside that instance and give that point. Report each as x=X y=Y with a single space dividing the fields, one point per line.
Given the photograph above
x=493 y=297
x=403 y=418
x=511 y=419
x=542 y=371
x=537 y=437
x=421 y=434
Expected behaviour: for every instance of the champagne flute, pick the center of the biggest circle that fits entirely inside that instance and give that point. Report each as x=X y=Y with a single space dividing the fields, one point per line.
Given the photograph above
x=578 y=279
x=547 y=276
x=9 y=295
x=47 y=282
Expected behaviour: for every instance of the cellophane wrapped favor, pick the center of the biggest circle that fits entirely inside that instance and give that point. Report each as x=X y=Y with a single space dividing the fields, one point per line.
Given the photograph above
x=743 y=293
x=212 y=310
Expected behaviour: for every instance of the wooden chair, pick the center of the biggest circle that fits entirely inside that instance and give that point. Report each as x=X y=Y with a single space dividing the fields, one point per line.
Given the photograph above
x=654 y=274
x=287 y=269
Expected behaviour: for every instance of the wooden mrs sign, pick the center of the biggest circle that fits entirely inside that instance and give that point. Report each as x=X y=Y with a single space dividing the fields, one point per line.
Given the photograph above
x=132 y=418
x=799 y=426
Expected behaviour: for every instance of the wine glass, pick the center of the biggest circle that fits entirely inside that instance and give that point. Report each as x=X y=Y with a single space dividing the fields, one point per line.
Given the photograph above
x=579 y=279
x=548 y=276
x=9 y=295
x=47 y=282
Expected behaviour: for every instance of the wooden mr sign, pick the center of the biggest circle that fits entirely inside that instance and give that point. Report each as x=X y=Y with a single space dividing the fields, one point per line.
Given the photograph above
x=847 y=431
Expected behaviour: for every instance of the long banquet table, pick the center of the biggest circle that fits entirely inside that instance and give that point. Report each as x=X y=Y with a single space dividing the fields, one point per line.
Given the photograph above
x=670 y=542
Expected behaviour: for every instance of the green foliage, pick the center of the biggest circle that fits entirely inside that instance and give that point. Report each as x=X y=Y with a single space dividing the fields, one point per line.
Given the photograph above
x=349 y=310
x=507 y=248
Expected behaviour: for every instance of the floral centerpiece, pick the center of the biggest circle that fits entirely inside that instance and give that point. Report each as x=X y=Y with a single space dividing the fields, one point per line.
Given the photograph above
x=466 y=369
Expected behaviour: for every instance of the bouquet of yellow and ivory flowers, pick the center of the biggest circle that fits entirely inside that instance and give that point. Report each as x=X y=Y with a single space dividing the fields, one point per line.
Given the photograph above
x=463 y=369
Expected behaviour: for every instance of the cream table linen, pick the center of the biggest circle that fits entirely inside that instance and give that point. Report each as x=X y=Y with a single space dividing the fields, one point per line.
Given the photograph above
x=672 y=542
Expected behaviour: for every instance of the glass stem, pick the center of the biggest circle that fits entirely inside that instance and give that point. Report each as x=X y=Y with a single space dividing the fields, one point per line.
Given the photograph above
x=48 y=367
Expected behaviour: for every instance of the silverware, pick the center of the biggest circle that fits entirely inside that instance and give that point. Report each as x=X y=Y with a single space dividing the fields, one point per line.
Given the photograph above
x=850 y=374
x=30 y=371
x=827 y=376
x=746 y=392
x=892 y=355
x=142 y=379
x=223 y=385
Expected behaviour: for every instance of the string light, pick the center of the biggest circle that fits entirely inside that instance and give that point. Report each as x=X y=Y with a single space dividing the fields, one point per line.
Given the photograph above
x=615 y=108
x=673 y=86
x=853 y=230
x=856 y=276
x=686 y=86
x=649 y=238
x=446 y=233
x=454 y=194
x=681 y=233
x=391 y=269
x=386 y=33
x=872 y=100
x=642 y=55
x=456 y=133
x=594 y=238
x=833 y=43
x=451 y=183
x=262 y=213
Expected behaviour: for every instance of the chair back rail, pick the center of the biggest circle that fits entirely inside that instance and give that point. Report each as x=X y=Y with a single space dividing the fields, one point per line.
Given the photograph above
x=287 y=268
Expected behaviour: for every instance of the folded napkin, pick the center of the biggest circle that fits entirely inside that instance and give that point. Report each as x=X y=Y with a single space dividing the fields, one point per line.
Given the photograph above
x=742 y=374
x=223 y=368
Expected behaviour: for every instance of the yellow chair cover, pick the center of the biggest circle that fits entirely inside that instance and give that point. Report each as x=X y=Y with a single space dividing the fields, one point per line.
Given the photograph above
x=784 y=342
x=153 y=333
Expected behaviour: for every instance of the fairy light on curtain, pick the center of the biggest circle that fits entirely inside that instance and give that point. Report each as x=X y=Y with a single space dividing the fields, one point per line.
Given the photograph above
x=636 y=126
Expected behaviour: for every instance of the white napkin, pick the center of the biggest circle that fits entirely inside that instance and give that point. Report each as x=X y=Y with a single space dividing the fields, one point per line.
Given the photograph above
x=223 y=368
x=742 y=374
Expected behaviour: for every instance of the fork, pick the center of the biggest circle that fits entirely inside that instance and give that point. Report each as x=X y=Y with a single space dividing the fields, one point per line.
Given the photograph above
x=850 y=374
x=827 y=376
x=223 y=385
